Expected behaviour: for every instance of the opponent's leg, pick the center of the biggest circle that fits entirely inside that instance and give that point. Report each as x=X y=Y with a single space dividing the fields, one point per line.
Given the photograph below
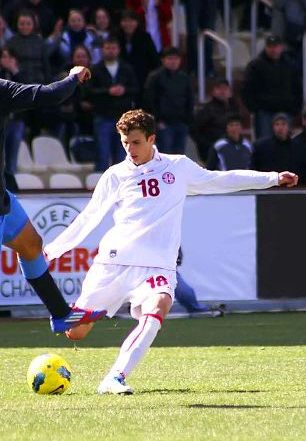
x=20 y=235
x=136 y=345
x=28 y=245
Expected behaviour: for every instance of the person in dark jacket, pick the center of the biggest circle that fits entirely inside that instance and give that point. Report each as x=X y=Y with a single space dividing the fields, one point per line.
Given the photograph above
x=111 y=92
x=16 y=230
x=231 y=152
x=300 y=143
x=137 y=48
x=39 y=8
x=210 y=120
x=280 y=151
x=271 y=85
x=168 y=96
x=30 y=50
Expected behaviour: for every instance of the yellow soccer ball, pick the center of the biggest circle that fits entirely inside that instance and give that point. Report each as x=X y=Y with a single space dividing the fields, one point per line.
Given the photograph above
x=49 y=374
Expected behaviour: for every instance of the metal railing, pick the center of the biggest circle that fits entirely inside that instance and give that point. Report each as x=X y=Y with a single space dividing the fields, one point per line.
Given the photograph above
x=254 y=11
x=304 y=69
x=201 y=60
x=175 y=38
x=227 y=18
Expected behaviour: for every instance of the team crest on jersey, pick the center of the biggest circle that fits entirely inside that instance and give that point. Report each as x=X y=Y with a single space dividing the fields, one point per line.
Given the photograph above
x=113 y=253
x=168 y=178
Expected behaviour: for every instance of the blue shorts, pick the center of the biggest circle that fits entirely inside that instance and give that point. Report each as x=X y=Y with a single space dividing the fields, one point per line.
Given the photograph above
x=14 y=221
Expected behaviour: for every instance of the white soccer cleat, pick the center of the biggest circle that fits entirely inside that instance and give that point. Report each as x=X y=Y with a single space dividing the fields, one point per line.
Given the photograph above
x=114 y=385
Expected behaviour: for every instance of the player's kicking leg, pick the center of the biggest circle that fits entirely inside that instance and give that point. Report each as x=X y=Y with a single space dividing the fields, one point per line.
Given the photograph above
x=136 y=345
x=20 y=235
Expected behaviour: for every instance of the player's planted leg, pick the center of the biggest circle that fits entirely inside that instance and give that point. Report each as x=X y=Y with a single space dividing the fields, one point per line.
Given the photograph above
x=136 y=345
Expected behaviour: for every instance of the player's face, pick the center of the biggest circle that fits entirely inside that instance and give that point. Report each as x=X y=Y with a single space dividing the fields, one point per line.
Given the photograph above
x=139 y=149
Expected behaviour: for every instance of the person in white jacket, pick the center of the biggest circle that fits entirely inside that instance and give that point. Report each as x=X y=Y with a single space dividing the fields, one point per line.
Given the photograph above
x=136 y=261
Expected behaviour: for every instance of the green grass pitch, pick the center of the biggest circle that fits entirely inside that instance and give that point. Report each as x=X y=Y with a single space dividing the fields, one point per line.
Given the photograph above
x=241 y=377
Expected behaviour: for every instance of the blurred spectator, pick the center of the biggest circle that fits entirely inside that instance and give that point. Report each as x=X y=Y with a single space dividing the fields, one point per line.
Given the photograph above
x=200 y=14
x=241 y=9
x=280 y=152
x=5 y=32
x=29 y=49
x=168 y=95
x=111 y=91
x=210 y=120
x=288 y=22
x=301 y=136
x=74 y=35
x=102 y=24
x=156 y=16
x=271 y=85
x=72 y=117
x=102 y=29
x=87 y=7
x=84 y=114
x=40 y=9
x=231 y=152
x=137 y=48
x=15 y=128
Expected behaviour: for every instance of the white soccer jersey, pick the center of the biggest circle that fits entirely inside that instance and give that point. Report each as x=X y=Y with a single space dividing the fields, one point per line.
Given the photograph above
x=147 y=202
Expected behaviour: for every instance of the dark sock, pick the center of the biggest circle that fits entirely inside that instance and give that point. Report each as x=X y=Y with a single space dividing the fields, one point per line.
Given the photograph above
x=50 y=295
x=37 y=274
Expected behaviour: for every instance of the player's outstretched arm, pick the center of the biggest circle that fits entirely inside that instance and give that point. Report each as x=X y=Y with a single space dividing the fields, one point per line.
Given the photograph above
x=18 y=96
x=288 y=179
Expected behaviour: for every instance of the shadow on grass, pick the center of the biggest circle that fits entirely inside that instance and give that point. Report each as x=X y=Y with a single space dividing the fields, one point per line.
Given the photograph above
x=260 y=329
x=188 y=391
x=166 y=391
x=240 y=406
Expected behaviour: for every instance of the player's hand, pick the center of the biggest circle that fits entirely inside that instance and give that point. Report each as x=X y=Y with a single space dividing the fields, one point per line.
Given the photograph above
x=83 y=73
x=288 y=179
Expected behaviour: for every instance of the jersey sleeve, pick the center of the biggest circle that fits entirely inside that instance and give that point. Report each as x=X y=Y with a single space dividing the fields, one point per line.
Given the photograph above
x=203 y=181
x=102 y=200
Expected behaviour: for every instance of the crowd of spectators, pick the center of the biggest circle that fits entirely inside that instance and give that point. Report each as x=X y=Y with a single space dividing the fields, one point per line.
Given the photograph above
x=127 y=46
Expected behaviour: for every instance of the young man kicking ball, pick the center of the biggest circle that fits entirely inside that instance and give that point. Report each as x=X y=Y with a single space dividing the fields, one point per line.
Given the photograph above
x=136 y=261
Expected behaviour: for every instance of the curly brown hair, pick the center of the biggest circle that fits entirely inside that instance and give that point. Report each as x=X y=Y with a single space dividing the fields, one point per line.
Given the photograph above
x=137 y=119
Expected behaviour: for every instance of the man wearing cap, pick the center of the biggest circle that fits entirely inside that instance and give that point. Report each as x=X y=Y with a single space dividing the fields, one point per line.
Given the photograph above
x=168 y=95
x=280 y=151
x=210 y=120
x=271 y=85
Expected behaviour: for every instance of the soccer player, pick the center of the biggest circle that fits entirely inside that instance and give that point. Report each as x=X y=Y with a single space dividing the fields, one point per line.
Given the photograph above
x=16 y=230
x=136 y=261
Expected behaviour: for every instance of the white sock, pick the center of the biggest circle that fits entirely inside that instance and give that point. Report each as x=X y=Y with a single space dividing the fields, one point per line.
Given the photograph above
x=137 y=344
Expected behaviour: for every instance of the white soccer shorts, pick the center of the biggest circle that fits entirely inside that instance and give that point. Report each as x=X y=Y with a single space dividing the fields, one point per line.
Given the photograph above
x=110 y=286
